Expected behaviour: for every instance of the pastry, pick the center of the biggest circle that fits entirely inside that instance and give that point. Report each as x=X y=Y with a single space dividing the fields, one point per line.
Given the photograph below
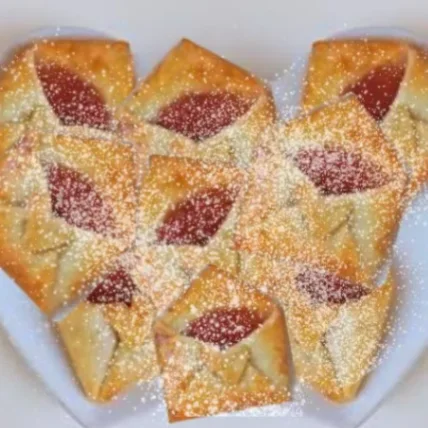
x=188 y=210
x=66 y=209
x=389 y=79
x=71 y=85
x=197 y=104
x=328 y=193
x=176 y=225
x=108 y=336
x=335 y=326
x=221 y=347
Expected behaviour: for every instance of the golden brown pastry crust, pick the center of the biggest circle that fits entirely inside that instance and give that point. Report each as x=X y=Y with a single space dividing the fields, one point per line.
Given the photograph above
x=110 y=345
x=336 y=64
x=49 y=258
x=333 y=346
x=348 y=61
x=106 y=64
x=189 y=68
x=201 y=380
x=349 y=233
x=171 y=180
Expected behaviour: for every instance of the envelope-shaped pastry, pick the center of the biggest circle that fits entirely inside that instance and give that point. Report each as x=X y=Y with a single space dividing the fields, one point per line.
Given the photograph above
x=222 y=347
x=108 y=337
x=329 y=193
x=389 y=78
x=66 y=209
x=70 y=84
x=335 y=326
x=197 y=104
x=188 y=209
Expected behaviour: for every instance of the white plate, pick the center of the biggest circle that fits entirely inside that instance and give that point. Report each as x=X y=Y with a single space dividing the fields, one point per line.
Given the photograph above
x=34 y=338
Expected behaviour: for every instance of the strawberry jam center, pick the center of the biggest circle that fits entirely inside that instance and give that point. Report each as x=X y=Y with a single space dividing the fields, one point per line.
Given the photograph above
x=74 y=198
x=201 y=116
x=196 y=219
x=378 y=89
x=115 y=287
x=328 y=288
x=224 y=327
x=74 y=101
x=337 y=172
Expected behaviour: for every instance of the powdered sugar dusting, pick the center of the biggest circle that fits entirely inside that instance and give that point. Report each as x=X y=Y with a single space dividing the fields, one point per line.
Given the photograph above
x=344 y=204
x=202 y=115
x=74 y=101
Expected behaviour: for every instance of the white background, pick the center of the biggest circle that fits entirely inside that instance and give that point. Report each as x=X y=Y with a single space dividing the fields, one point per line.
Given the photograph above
x=261 y=35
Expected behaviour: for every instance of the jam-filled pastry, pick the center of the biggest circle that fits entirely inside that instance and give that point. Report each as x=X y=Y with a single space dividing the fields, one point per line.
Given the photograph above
x=108 y=336
x=188 y=210
x=69 y=84
x=222 y=347
x=336 y=326
x=66 y=208
x=197 y=104
x=329 y=193
x=389 y=78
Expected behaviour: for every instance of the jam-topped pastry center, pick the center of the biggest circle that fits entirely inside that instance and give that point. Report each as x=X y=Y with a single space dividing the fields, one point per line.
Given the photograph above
x=337 y=172
x=115 y=287
x=74 y=100
x=195 y=220
x=224 y=327
x=325 y=287
x=378 y=89
x=202 y=115
x=74 y=198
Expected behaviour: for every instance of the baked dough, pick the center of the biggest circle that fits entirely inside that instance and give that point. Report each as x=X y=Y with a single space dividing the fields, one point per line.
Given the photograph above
x=349 y=231
x=108 y=337
x=130 y=200
x=335 y=332
x=335 y=66
x=189 y=70
x=66 y=209
x=202 y=378
x=76 y=83
x=188 y=210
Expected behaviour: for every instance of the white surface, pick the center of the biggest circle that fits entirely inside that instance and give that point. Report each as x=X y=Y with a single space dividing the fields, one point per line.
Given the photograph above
x=263 y=37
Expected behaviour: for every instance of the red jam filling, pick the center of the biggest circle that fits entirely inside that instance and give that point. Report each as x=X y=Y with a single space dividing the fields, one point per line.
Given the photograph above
x=328 y=288
x=224 y=327
x=74 y=101
x=337 y=172
x=196 y=219
x=74 y=198
x=378 y=89
x=115 y=287
x=201 y=116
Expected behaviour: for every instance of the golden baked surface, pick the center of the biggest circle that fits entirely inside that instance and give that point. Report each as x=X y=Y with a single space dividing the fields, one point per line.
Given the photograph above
x=175 y=228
